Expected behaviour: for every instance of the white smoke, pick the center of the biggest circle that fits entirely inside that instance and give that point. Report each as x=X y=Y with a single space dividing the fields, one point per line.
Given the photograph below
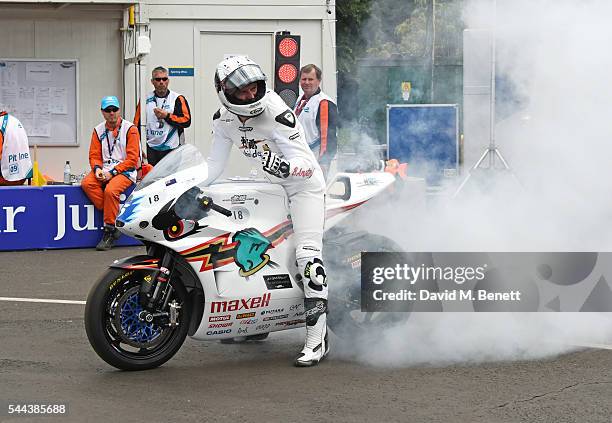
x=430 y=339
x=560 y=148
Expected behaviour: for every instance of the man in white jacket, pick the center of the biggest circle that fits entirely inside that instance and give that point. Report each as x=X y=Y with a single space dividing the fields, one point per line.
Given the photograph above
x=259 y=123
x=15 y=161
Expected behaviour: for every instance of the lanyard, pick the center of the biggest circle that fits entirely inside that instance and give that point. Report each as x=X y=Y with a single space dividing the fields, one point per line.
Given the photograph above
x=161 y=121
x=300 y=106
x=164 y=103
x=110 y=150
x=4 y=122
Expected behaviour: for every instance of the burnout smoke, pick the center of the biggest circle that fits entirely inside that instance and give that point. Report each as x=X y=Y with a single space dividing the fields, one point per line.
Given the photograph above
x=558 y=142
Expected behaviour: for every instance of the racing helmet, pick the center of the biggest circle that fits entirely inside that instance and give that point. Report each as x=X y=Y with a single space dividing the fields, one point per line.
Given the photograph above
x=232 y=75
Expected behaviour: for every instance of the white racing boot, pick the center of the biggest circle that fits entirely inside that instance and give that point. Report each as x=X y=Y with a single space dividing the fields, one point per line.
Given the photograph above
x=316 y=346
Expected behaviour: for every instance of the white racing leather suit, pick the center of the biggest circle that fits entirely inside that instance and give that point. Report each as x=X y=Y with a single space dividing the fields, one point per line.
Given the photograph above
x=277 y=129
x=273 y=138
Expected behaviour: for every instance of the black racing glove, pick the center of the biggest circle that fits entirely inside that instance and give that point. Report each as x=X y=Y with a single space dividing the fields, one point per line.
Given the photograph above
x=275 y=165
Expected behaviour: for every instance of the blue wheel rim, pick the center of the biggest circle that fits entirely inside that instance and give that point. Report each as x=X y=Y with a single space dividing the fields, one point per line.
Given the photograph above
x=133 y=328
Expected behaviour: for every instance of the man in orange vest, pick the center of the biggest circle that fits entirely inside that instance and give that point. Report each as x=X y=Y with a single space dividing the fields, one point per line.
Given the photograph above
x=318 y=114
x=114 y=155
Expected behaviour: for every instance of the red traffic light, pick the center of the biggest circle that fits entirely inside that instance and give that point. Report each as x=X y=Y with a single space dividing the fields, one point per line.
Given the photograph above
x=288 y=47
x=287 y=66
x=287 y=73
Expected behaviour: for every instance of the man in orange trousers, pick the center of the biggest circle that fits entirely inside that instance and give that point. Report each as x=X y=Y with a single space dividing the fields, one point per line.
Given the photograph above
x=114 y=155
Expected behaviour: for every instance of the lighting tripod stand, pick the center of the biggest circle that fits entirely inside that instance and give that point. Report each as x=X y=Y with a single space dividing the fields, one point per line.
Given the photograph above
x=491 y=151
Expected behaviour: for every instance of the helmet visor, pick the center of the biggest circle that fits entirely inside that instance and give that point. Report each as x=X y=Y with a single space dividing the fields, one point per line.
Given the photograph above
x=242 y=77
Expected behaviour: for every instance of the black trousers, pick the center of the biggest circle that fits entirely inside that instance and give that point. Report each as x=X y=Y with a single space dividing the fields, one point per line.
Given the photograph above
x=154 y=156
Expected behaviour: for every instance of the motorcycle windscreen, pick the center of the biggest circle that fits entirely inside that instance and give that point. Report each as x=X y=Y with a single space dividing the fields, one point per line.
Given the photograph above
x=183 y=157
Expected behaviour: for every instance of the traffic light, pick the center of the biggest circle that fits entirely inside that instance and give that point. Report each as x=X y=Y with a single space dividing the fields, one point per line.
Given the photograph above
x=287 y=67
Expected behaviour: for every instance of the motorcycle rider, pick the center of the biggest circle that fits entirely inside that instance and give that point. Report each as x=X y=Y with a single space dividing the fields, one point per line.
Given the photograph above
x=266 y=131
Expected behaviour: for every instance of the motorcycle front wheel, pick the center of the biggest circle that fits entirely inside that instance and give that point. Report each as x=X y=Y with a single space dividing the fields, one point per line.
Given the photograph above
x=116 y=330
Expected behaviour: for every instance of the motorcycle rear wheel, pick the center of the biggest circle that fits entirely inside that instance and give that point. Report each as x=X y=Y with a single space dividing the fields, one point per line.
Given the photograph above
x=116 y=333
x=345 y=317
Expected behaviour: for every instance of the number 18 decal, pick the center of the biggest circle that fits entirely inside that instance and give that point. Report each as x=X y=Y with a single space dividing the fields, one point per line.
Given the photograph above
x=240 y=214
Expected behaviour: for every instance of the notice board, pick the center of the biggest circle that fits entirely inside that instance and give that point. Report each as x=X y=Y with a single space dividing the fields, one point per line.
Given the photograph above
x=43 y=95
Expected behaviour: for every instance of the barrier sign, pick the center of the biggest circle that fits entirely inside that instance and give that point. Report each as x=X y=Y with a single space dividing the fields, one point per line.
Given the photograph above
x=426 y=137
x=50 y=217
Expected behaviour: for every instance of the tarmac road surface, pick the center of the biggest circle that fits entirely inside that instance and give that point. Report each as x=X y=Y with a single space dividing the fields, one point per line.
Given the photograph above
x=45 y=357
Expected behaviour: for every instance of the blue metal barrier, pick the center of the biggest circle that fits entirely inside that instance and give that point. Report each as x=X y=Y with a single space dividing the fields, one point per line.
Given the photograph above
x=49 y=217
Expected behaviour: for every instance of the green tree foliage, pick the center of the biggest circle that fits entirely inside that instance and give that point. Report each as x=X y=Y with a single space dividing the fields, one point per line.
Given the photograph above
x=350 y=42
x=391 y=29
x=398 y=27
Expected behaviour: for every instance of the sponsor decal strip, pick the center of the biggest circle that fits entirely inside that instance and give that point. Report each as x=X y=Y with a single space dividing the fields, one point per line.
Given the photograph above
x=145 y=264
x=280 y=232
x=334 y=212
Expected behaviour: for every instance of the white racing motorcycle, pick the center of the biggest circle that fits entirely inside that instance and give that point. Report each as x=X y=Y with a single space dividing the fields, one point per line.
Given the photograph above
x=220 y=263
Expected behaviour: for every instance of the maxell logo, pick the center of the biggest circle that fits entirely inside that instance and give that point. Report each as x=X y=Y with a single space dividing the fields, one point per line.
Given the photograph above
x=244 y=303
x=245 y=315
x=219 y=318
x=221 y=325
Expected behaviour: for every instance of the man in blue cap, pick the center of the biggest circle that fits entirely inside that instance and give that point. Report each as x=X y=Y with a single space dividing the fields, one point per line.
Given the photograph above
x=114 y=155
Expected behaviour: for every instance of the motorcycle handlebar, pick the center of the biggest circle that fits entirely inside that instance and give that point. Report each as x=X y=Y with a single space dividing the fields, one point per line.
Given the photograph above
x=221 y=210
x=206 y=203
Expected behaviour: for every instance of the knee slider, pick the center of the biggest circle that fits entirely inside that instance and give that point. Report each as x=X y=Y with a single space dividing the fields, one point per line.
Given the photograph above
x=315 y=273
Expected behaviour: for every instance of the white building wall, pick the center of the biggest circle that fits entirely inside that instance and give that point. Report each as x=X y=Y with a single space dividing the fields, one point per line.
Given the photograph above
x=90 y=32
x=178 y=43
x=179 y=36
x=90 y=36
